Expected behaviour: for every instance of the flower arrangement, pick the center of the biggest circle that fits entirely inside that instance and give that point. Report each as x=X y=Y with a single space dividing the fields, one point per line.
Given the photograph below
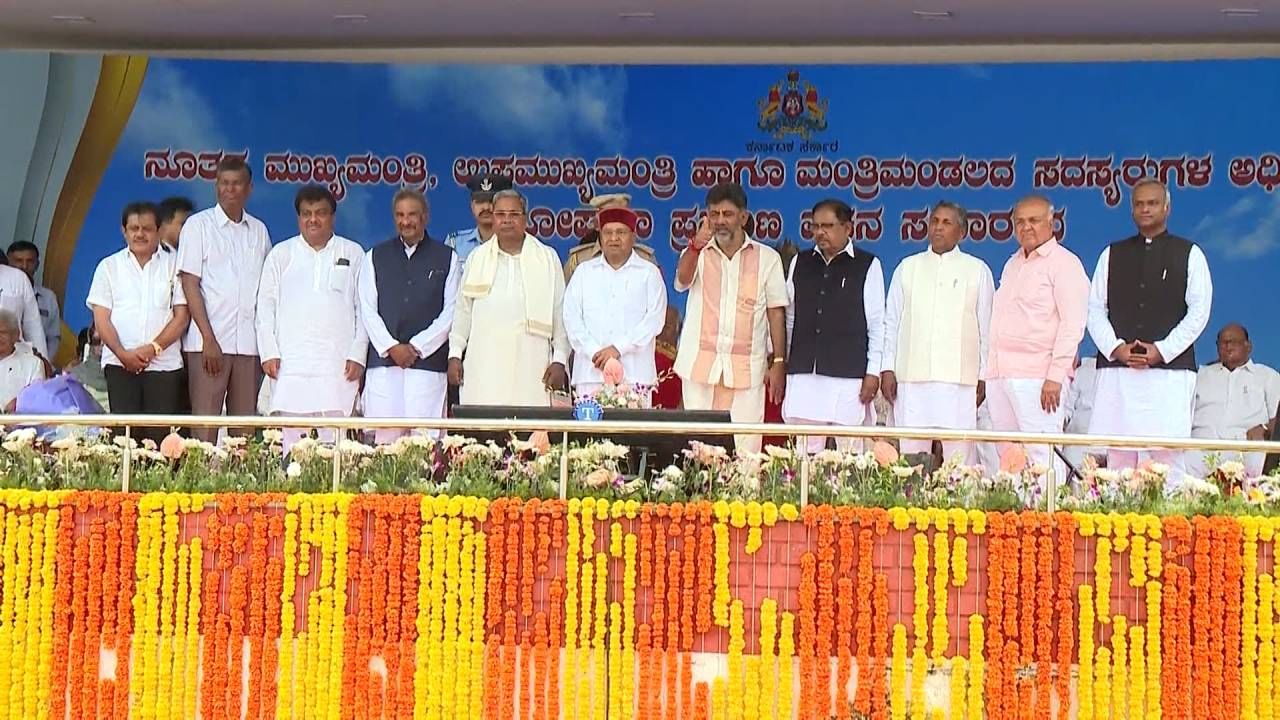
x=530 y=468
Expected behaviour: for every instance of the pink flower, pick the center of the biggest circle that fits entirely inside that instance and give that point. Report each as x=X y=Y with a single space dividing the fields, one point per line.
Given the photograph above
x=884 y=453
x=541 y=443
x=172 y=446
x=612 y=371
x=1013 y=460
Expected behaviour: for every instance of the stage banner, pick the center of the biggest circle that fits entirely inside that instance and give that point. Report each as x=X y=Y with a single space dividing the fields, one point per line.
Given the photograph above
x=889 y=140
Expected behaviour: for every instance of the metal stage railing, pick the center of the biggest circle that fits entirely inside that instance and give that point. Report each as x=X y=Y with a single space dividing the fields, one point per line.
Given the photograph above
x=564 y=427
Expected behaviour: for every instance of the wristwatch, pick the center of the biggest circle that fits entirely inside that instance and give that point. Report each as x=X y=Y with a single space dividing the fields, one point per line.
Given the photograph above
x=779 y=360
x=156 y=346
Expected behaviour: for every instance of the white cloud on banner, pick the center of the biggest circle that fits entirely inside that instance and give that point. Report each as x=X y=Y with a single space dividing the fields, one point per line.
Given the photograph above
x=1245 y=230
x=171 y=113
x=549 y=104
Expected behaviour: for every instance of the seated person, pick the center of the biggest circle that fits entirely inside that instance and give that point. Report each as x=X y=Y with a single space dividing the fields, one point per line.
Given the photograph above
x=1235 y=399
x=18 y=367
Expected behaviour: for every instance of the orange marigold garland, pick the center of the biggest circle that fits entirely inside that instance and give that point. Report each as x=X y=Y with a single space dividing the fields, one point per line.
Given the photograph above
x=1065 y=610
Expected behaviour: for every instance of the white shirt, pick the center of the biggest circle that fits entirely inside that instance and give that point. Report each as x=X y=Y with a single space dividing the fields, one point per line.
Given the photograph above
x=872 y=308
x=141 y=299
x=50 y=317
x=625 y=308
x=432 y=337
x=17 y=296
x=309 y=319
x=1080 y=394
x=1229 y=402
x=227 y=257
x=1198 y=297
x=18 y=371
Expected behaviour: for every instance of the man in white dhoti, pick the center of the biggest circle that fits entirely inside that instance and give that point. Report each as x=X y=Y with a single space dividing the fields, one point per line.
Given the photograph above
x=408 y=286
x=736 y=312
x=18 y=369
x=509 y=319
x=1149 y=302
x=835 y=329
x=1236 y=399
x=936 y=322
x=310 y=337
x=615 y=306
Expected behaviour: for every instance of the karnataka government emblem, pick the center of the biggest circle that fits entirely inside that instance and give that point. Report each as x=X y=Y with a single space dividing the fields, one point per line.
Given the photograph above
x=486 y=185
x=792 y=112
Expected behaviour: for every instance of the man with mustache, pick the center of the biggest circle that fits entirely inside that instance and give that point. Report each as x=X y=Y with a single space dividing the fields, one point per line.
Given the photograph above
x=408 y=285
x=1149 y=302
x=736 y=311
x=482 y=188
x=312 y=342
x=220 y=256
x=589 y=247
x=936 y=323
x=509 y=320
x=835 y=325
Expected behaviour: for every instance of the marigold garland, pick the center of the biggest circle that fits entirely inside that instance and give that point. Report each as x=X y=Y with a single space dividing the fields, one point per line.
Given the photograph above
x=260 y=582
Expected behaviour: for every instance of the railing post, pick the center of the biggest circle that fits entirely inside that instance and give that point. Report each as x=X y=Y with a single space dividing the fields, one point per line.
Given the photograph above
x=1052 y=487
x=337 y=462
x=564 y=466
x=804 y=479
x=126 y=463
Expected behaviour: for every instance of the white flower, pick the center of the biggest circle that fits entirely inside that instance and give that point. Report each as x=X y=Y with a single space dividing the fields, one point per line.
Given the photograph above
x=294 y=470
x=671 y=473
x=272 y=436
x=778 y=453
x=368 y=487
x=353 y=447
x=128 y=442
x=902 y=472
x=829 y=457
x=24 y=436
x=863 y=461
x=192 y=444
x=1195 y=487
x=149 y=444
x=324 y=452
x=453 y=442
x=305 y=447
x=66 y=443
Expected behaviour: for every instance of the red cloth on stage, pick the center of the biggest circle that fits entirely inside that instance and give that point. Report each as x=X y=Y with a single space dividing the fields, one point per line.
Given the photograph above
x=669 y=393
x=773 y=414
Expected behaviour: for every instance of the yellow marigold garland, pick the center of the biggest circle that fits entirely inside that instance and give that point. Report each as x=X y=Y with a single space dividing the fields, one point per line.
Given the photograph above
x=898 y=674
x=941 y=623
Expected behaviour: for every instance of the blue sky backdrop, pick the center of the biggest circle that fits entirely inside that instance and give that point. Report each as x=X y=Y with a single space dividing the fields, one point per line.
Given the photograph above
x=922 y=112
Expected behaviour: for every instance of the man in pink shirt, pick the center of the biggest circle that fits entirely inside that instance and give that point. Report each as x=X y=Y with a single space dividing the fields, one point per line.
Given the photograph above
x=1037 y=321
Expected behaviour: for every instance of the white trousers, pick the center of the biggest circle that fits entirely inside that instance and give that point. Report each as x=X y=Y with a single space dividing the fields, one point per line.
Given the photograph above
x=937 y=405
x=1014 y=404
x=814 y=444
x=293 y=434
x=745 y=405
x=393 y=392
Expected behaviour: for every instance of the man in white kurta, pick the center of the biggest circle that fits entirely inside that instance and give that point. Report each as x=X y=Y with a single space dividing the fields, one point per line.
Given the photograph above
x=408 y=287
x=310 y=336
x=1236 y=399
x=1148 y=303
x=615 y=306
x=733 y=344
x=508 y=318
x=835 y=329
x=936 y=322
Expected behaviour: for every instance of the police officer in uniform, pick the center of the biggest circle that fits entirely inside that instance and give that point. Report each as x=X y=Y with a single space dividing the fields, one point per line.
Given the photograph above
x=482 y=188
x=589 y=246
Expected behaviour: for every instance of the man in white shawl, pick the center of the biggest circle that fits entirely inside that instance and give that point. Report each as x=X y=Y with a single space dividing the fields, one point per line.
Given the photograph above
x=508 y=316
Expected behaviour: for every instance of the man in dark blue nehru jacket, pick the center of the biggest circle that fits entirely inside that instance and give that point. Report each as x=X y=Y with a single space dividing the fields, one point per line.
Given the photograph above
x=407 y=291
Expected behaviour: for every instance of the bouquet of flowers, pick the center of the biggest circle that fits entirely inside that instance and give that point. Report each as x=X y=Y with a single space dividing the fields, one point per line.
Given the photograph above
x=617 y=393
